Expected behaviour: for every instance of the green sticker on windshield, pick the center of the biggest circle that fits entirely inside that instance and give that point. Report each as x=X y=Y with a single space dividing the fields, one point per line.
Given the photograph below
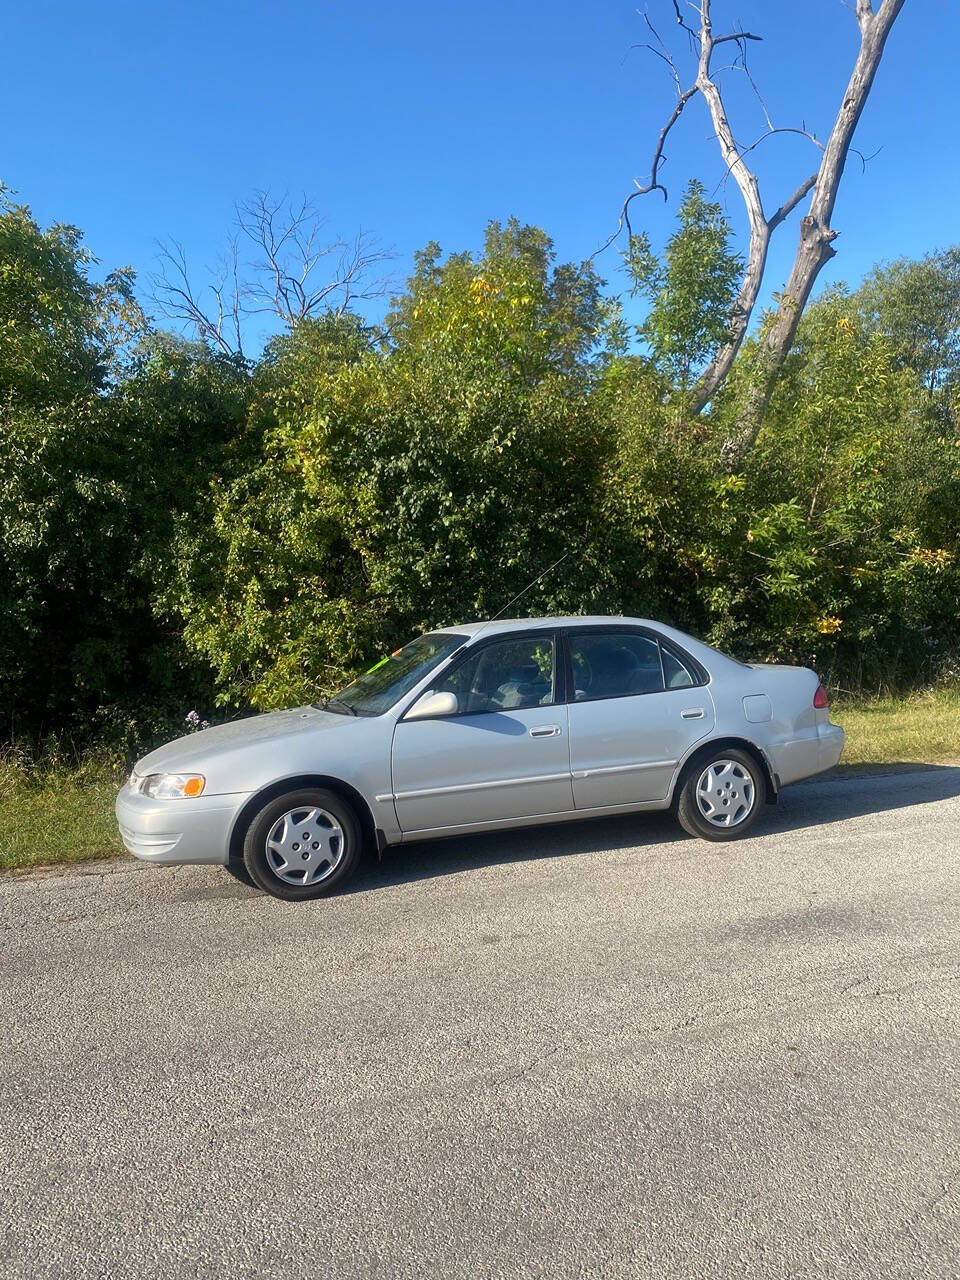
x=377 y=665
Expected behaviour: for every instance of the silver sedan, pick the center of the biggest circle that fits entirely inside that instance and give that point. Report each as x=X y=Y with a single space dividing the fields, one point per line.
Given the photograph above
x=478 y=728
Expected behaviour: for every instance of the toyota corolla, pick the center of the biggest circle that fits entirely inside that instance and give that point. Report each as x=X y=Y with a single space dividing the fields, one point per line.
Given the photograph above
x=479 y=728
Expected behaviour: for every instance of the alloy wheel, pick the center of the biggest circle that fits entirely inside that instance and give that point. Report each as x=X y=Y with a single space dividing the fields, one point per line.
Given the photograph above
x=726 y=793
x=305 y=846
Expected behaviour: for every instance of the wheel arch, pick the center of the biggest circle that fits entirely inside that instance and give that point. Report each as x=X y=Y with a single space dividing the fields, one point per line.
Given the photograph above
x=703 y=750
x=294 y=783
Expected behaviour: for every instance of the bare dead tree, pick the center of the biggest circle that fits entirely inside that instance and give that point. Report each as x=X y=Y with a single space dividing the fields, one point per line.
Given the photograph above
x=278 y=262
x=286 y=280
x=816 y=234
x=217 y=322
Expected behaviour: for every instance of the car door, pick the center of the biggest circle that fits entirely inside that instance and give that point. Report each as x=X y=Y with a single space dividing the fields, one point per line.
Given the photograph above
x=636 y=707
x=503 y=755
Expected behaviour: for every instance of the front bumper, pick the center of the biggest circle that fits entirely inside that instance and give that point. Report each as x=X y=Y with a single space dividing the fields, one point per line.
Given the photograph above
x=169 y=831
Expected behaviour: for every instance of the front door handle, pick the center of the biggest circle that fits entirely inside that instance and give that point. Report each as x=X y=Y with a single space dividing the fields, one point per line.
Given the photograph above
x=692 y=713
x=545 y=731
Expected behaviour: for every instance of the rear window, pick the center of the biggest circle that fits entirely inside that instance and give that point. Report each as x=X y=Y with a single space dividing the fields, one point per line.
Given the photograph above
x=729 y=656
x=676 y=673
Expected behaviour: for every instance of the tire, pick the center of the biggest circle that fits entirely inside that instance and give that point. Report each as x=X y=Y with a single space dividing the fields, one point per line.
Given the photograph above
x=737 y=783
x=282 y=862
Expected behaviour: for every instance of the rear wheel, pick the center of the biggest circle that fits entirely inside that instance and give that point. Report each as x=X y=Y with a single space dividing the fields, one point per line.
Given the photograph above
x=722 y=796
x=303 y=844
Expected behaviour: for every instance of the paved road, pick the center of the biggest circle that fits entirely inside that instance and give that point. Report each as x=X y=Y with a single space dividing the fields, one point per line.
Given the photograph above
x=599 y=1050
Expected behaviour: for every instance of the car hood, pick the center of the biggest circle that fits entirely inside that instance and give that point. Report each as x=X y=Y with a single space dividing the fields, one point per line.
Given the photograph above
x=195 y=751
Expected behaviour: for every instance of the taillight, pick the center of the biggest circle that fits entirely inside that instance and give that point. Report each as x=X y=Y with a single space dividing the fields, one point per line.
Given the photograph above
x=820 y=698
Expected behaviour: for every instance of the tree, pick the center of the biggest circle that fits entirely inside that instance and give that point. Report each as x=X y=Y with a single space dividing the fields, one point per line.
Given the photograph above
x=108 y=435
x=90 y=492
x=407 y=483
x=841 y=549
x=291 y=272
x=690 y=290
x=816 y=234
x=60 y=331
x=916 y=303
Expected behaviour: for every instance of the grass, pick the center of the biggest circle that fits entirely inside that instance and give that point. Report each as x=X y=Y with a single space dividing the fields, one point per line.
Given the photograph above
x=54 y=811
x=922 y=727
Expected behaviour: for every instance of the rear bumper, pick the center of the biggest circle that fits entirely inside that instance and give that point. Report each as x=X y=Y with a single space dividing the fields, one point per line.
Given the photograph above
x=171 y=831
x=820 y=748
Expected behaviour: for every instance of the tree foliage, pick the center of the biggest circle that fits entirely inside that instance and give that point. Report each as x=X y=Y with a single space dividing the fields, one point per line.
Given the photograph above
x=60 y=330
x=180 y=527
x=916 y=304
x=409 y=484
x=101 y=445
x=845 y=527
x=690 y=290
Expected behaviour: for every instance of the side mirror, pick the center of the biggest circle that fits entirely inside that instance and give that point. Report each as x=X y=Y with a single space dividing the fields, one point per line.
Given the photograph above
x=432 y=704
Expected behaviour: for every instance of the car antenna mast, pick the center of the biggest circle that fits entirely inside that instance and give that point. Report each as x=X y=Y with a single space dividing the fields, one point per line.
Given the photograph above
x=497 y=616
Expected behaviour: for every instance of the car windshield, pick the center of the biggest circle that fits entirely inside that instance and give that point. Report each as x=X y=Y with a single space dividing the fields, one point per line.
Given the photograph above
x=389 y=679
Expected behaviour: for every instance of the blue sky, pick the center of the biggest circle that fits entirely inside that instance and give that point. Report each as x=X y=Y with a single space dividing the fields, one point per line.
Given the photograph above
x=422 y=120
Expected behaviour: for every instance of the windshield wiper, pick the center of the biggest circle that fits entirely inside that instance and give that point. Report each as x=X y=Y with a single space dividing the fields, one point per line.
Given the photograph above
x=339 y=708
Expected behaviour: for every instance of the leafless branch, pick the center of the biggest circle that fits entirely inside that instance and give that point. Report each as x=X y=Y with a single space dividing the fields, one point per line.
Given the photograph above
x=693 y=36
x=771 y=133
x=174 y=294
x=791 y=202
x=662 y=51
x=291 y=271
x=703 y=42
x=653 y=183
x=816 y=234
x=735 y=35
x=745 y=68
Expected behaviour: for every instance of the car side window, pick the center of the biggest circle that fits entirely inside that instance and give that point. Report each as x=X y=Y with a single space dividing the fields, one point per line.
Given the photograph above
x=614 y=664
x=505 y=676
x=676 y=674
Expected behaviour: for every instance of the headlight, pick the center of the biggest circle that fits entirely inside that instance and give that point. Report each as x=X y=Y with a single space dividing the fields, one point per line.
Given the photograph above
x=172 y=786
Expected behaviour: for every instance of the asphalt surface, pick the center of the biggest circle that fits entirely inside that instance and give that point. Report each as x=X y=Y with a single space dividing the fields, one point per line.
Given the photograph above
x=600 y=1050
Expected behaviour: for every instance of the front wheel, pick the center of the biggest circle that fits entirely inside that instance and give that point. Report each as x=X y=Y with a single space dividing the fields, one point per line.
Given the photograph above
x=722 y=796
x=303 y=844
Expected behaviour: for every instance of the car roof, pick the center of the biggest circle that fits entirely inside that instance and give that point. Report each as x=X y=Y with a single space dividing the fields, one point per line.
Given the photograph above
x=570 y=620
x=712 y=660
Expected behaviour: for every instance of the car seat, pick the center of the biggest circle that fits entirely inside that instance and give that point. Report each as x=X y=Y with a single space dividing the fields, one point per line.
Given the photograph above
x=525 y=686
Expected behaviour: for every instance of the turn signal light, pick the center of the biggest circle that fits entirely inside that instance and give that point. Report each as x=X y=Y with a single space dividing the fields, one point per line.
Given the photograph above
x=820 y=698
x=172 y=786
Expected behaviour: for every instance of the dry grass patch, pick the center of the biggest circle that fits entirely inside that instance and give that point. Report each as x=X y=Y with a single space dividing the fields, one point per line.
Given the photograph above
x=922 y=727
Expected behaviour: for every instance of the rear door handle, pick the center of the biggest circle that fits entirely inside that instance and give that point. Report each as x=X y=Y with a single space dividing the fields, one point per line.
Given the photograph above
x=692 y=713
x=545 y=731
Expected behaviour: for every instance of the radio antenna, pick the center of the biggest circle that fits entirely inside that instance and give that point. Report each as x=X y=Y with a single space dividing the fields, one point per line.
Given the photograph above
x=528 y=587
